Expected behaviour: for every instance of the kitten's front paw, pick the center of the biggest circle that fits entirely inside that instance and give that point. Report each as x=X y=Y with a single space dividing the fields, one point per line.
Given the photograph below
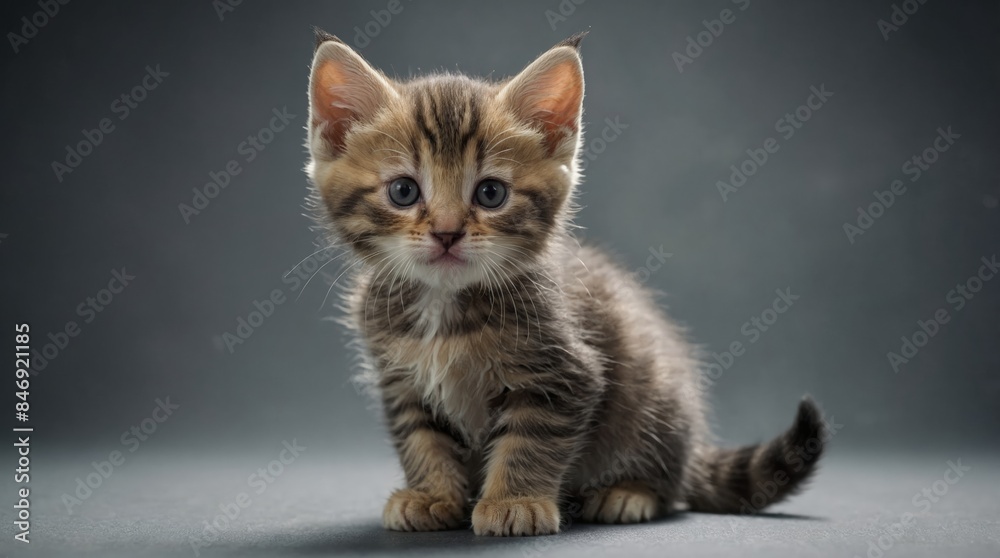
x=415 y=510
x=516 y=517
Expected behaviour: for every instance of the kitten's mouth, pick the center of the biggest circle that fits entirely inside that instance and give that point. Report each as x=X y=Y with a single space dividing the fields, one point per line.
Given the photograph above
x=447 y=259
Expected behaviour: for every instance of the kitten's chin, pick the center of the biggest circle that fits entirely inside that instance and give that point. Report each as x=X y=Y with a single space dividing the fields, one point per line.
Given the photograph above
x=448 y=272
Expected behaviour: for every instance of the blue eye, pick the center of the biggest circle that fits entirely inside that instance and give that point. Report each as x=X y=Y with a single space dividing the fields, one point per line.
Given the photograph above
x=404 y=192
x=491 y=193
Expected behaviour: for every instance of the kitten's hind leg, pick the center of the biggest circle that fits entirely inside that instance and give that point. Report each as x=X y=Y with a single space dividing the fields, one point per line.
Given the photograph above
x=625 y=502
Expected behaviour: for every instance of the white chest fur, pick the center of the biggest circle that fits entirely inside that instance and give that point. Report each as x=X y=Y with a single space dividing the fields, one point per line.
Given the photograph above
x=456 y=375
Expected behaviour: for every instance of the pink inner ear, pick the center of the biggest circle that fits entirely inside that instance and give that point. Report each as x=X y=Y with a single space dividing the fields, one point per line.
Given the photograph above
x=558 y=97
x=330 y=104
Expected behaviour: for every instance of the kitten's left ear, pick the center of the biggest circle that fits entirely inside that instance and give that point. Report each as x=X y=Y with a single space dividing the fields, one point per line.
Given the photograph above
x=549 y=92
x=343 y=90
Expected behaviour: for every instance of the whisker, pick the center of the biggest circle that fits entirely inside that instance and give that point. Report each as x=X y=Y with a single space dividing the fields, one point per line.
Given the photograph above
x=385 y=266
x=389 y=149
x=534 y=308
x=386 y=134
x=503 y=311
x=388 y=307
x=378 y=268
x=514 y=287
x=311 y=278
x=499 y=141
x=334 y=283
x=391 y=157
x=322 y=304
x=516 y=163
x=489 y=289
x=309 y=256
x=517 y=324
x=406 y=271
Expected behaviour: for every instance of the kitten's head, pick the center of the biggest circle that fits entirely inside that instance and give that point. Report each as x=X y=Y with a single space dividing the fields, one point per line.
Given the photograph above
x=444 y=179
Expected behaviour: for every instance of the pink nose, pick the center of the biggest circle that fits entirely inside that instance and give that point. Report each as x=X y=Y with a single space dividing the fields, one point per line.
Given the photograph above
x=448 y=239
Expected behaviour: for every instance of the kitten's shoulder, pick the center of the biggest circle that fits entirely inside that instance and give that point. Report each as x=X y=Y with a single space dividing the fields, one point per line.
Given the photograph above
x=596 y=263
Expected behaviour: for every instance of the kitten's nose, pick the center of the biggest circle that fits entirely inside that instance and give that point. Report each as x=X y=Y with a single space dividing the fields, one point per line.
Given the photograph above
x=448 y=239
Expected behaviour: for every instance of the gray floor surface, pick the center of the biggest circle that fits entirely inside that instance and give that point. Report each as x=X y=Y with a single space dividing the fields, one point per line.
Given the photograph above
x=330 y=505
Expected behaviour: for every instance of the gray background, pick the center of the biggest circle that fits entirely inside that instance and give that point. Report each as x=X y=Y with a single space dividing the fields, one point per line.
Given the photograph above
x=653 y=186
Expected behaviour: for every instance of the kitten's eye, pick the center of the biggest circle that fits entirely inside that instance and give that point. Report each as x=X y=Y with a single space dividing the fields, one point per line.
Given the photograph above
x=404 y=192
x=491 y=193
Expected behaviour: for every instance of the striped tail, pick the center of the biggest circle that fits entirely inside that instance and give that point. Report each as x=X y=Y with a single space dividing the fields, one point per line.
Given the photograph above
x=748 y=479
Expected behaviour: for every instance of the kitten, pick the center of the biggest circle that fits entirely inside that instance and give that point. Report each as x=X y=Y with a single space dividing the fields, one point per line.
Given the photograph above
x=521 y=375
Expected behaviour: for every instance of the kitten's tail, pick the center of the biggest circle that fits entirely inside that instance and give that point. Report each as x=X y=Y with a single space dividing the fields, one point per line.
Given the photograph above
x=750 y=478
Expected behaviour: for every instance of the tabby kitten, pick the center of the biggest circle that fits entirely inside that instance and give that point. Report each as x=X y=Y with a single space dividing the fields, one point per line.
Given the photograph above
x=521 y=375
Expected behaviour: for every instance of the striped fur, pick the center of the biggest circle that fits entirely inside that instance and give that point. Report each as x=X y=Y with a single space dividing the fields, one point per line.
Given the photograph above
x=534 y=382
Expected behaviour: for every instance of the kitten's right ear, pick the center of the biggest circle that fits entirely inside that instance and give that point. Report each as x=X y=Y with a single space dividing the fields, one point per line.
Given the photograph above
x=343 y=90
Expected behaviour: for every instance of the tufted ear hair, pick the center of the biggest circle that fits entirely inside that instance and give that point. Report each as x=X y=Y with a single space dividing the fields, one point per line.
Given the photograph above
x=343 y=90
x=549 y=92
